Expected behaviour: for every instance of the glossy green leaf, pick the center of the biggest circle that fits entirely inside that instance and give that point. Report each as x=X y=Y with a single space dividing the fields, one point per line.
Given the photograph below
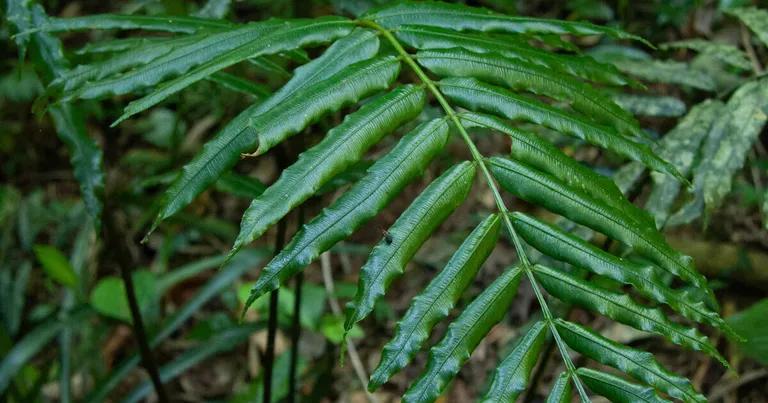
x=617 y=389
x=755 y=18
x=239 y=84
x=544 y=190
x=56 y=265
x=294 y=35
x=109 y=298
x=639 y=364
x=665 y=71
x=463 y=335
x=343 y=146
x=426 y=37
x=558 y=244
x=475 y=95
x=404 y=238
x=724 y=52
x=523 y=76
x=751 y=324
x=561 y=391
x=510 y=378
x=539 y=153
x=460 y=17
x=436 y=301
x=314 y=91
x=621 y=308
x=385 y=179
x=726 y=148
x=651 y=105
x=679 y=146
x=240 y=185
x=163 y=23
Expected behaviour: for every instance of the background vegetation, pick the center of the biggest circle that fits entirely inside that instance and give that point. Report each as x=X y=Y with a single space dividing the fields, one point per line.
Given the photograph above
x=65 y=323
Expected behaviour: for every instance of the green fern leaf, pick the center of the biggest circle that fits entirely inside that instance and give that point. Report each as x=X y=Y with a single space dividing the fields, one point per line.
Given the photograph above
x=510 y=378
x=561 y=391
x=163 y=23
x=556 y=243
x=239 y=84
x=618 y=389
x=389 y=258
x=462 y=18
x=755 y=18
x=292 y=36
x=726 y=148
x=476 y=95
x=542 y=189
x=428 y=38
x=651 y=105
x=342 y=147
x=463 y=335
x=520 y=75
x=314 y=91
x=669 y=72
x=724 y=52
x=436 y=301
x=385 y=179
x=639 y=364
x=621 y=308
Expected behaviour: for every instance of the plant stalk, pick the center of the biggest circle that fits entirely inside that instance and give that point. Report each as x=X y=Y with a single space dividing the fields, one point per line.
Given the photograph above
x=295 y=327
x=269 y=353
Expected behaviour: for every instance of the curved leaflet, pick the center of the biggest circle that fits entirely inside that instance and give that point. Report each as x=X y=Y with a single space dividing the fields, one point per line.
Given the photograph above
x=436 y=301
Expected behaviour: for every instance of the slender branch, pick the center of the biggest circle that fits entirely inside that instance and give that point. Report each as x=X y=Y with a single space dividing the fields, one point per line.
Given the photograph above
x=500 y=205
x=746 y=40
x=295 y=326
x=269 y=353
x=354 y=357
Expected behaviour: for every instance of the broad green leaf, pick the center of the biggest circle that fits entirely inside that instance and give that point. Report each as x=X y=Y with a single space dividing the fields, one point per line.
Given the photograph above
x=321 y=78
x=543 y=155
x=404 y=238
x=425 y=37
x=679 y=146
x=558 y=244
x=244 y=261
x=143 y=54
x=292 y=36
x=109 y=298
x=475 y=95
x=726 y=148
x=639 y=364
x=621 y=308
x=665 y=71
x=56 y=265
x=164 y=23
x=651 y=105
x=343 y=146
x=617 y=389
x=755 y=18
x=436 y=301
x=460 y=17
x=221 y=342
x=239 y=84
x=180 y=56
x=510 y=378
x=544 y=190
x=120 y=45
x=385 y=179
x=724 y=52
x=751 y=324
x=561 y=390
x=523 y=76
x=240 y=185
x=463 y=335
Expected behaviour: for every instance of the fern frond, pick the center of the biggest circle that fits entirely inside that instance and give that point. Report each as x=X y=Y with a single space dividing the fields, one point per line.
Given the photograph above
x=618 y=389
x=510 y=378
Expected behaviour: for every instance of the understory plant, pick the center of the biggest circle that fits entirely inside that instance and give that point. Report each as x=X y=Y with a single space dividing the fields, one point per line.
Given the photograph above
x=421 y=75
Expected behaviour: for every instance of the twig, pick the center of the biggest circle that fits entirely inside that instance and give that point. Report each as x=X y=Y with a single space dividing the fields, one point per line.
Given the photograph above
x=746 y=41
x=269 y=353
x=362 y=376
x=295 y=326
x=721 y=390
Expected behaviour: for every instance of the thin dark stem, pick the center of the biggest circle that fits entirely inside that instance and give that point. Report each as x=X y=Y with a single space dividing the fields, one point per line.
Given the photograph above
x=295 y=327
x=115 y=253
x=269 y=353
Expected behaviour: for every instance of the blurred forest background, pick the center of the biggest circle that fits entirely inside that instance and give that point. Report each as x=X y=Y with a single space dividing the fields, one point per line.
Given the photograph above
x=64 y=321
